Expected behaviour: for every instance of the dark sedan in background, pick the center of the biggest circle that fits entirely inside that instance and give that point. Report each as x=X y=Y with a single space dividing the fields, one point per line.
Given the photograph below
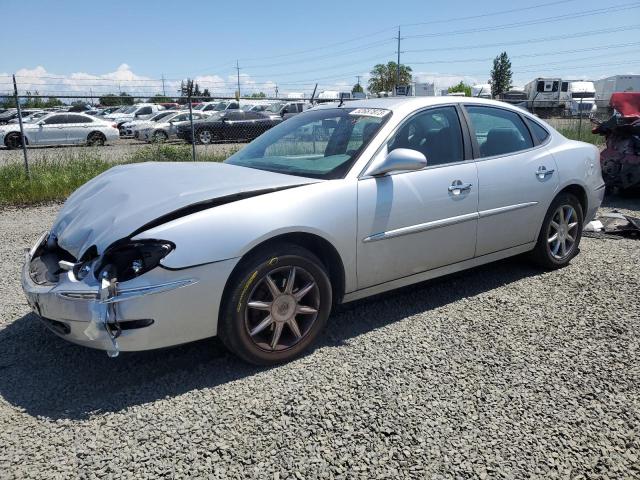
x=234 y=125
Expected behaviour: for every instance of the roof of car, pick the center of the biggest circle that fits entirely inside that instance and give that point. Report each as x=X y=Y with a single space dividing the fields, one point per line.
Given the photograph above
x=396 y=103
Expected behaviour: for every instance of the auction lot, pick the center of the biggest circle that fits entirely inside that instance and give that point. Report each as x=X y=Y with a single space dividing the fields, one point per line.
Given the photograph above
x=498 y=372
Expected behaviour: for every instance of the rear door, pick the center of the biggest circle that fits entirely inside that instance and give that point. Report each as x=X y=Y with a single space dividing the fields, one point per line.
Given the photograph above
x=77 y=128
x=516 y=175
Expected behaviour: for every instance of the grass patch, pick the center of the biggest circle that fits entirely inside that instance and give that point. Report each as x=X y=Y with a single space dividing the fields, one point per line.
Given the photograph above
x=583 y=134
x=55 y=180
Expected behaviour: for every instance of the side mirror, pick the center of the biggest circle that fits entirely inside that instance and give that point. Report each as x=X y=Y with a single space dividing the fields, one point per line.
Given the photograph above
x=398 y=160
x=40 y=123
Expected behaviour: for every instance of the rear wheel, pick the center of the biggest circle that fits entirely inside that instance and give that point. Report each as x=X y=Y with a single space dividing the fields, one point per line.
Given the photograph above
x=96 y=139
x=560 y=234
x=276 y=304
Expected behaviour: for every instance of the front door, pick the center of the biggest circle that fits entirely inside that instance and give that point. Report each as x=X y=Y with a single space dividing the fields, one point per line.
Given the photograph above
x=517 y=179
x=51 y=131
x=416 y=221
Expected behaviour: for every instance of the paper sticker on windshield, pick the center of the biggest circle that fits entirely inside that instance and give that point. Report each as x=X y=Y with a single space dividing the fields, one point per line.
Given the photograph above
x=369 y=112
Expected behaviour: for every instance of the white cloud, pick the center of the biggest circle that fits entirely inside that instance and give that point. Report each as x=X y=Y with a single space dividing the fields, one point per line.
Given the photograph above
x=123 y=79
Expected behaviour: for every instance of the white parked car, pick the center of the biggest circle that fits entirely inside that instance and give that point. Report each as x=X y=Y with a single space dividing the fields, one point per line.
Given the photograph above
x=140 y=111
x=60 y=129
x=258 y=249
x=167 y=128
x=132 y=128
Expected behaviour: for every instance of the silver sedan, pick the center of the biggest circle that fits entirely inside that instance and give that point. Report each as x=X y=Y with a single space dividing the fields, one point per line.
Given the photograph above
x=335 y=204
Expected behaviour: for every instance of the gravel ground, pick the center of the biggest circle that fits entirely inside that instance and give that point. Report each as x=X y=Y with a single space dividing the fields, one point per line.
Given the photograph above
x=112 y=151
x=499 y=372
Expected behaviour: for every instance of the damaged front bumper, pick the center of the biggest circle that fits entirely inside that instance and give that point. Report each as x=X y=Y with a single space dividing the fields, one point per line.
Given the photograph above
x=161 y=308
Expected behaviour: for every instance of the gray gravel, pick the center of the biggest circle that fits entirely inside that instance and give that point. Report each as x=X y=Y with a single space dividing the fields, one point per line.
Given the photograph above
x=500 y=372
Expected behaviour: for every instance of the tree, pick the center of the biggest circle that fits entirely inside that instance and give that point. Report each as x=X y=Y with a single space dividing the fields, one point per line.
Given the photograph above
x=206 y=96
x=357 y=88
x=383 y=77
x=500 y=75
x=461 y=87
x=258 y=95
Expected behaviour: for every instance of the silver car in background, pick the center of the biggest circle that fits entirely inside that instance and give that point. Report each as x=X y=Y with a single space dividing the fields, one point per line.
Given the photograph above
x=337 y=203
x=60 y=129
x=166 y=128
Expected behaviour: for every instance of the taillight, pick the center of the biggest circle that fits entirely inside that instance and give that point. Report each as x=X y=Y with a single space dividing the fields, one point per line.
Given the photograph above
x=113 y=125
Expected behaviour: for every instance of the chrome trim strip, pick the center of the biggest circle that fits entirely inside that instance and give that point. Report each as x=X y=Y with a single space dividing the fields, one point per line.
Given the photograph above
x=422 y=227
x=508 y=208
x=129 y=293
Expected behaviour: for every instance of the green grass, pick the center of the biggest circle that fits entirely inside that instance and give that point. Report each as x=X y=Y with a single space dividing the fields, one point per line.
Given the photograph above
x=55 y=179
x=583 y=134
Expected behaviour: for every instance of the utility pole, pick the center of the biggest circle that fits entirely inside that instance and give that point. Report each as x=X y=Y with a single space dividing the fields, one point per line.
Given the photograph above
x=358 y=79
x=398 y=67
x=24 y=144
x=164 y=93
x=276 y=90
x=238 y=70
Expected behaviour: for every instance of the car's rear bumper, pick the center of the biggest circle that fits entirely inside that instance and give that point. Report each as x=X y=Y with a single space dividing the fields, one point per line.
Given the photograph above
x=594 y=203
x=158 y=309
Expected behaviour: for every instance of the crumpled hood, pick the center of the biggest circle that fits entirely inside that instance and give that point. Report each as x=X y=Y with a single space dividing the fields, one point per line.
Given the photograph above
x=118 y=202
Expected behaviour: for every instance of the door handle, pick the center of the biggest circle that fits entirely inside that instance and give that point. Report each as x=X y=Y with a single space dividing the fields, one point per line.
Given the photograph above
x=543 y=173
x=457 y=187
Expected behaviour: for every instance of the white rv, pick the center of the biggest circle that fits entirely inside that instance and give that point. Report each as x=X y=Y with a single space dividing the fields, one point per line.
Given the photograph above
x=618 y=83
x=578 y=97
x=543 y=94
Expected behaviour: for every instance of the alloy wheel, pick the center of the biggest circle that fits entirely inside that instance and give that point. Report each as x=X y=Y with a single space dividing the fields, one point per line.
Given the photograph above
x=562 y=232
x=282 y=308
x=205 y=136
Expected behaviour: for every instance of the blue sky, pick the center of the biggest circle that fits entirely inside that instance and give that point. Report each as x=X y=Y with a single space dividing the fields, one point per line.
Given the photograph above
x=77 y=45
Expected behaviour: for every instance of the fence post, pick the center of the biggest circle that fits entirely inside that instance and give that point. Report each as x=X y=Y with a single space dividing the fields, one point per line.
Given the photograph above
x=193 y=135
x=580 y=120
x=24 y=144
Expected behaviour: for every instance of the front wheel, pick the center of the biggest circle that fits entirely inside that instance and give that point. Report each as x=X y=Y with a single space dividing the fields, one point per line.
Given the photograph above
x=204 y=136
x=13 y=141
x=560 y=234
x=276 y=304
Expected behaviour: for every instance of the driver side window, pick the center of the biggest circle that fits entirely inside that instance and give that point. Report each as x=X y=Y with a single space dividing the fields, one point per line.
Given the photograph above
x=436 y=133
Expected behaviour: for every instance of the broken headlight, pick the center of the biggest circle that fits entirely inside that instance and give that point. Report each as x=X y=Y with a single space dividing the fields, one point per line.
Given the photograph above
x=132 y=259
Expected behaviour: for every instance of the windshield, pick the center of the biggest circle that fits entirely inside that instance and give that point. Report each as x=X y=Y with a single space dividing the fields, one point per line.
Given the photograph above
x=221 y=106
x=199 y=107
x=275 y=107
x=160 y=115
x=130 y=110
x=319 y=144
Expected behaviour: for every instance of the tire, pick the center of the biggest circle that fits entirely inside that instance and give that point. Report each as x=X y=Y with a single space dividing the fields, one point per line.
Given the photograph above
x=159 y=137
x=96 y=139
x=252 y=315
x=204 y=136
x=13 y=141
x=552 y=254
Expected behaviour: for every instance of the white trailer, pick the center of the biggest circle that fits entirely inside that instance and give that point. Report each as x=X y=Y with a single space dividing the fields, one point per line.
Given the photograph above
x=482 y=90
x=618 y=83
x=543 y=95
x=578 y=97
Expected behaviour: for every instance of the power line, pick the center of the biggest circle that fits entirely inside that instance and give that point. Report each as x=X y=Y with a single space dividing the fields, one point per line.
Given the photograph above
x=555 y=18
x=534 y=40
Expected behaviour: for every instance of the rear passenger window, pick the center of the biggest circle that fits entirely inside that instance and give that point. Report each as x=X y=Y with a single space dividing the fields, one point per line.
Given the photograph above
x=78 y=119
x=498 y=131
x=538 y=130
x=435 y=132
